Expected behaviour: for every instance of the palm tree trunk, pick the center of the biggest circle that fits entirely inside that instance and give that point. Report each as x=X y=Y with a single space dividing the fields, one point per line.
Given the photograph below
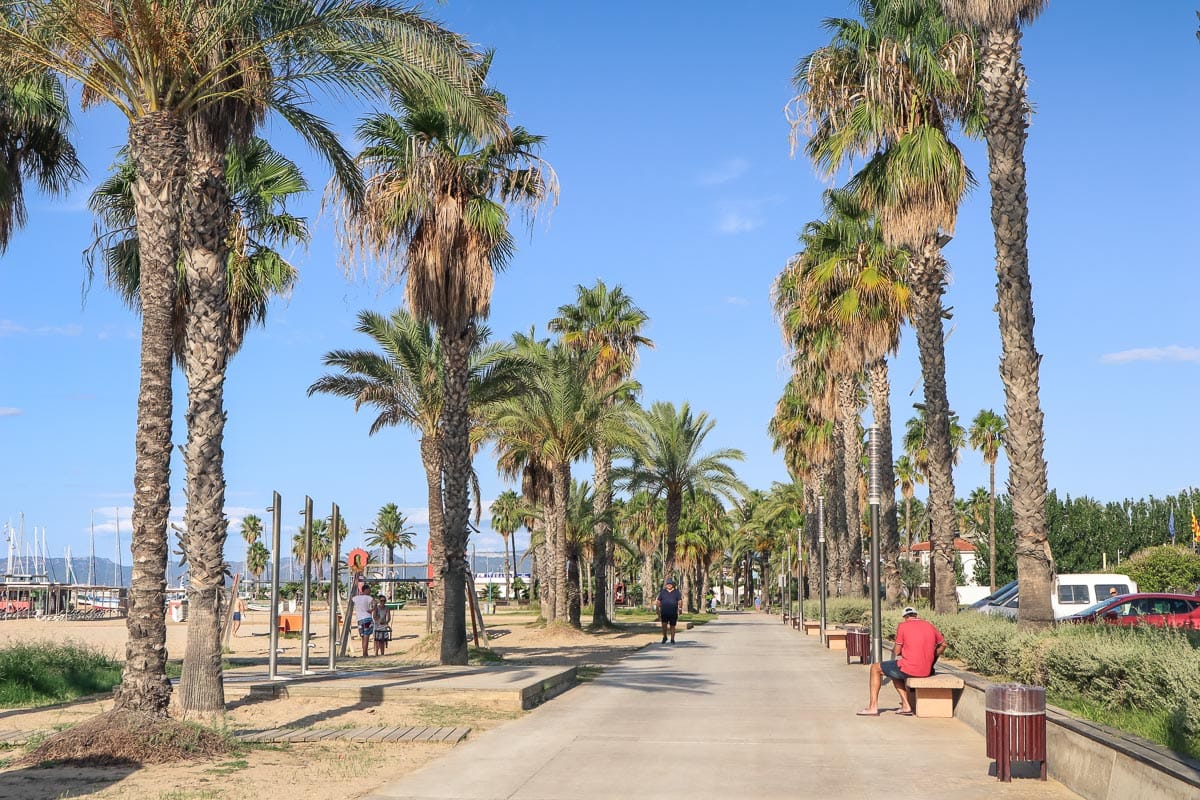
x=601 y=502
x=839 y=551
x=205 y=229
x=561 y=481
x=927 y=279
x=158 y=148
x=1002 y=79
x=431 y=459
x=647 y=580
x=889 y=534
x=574 y=603
x=456 y=470
x=507 y=570
x=847 y=392
x=992 y=524
x=674 y=512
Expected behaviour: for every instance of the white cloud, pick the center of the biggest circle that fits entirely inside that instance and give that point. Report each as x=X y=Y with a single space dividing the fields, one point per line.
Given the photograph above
x=737 y=301
x=1169 y=353
x=725 y=172
x=735 y=222
x=10 y=328
x=8 y=411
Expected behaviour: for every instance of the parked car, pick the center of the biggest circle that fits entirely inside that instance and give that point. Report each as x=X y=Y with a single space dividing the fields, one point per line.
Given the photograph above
x=997 y=596
x=1159 y=609
x=1071 y=593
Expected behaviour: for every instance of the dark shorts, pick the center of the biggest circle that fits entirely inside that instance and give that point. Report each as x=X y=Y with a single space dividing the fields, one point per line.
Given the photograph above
x=383 y=633
x=237 y=616
x=670 y=619
x=892 y=670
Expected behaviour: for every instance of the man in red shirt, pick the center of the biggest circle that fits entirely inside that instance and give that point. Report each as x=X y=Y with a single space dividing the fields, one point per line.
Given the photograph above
x=918 y=646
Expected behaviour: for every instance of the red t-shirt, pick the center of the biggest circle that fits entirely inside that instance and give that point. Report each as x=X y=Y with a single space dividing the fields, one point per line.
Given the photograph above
x=919 y=641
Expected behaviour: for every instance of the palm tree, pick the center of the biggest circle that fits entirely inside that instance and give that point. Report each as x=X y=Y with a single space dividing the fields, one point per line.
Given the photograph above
x=608 y=320
x=667 y=461
x=908 y=477
x=389 y=531
x=888 y=88
x=257 y=558
x=438 y=194
x=403 y=381
x=1006 y=116
x=987 y=435
x=191 y=77
x=554 y=421
x=251 y=532
x=34 y=123
x=507 y=516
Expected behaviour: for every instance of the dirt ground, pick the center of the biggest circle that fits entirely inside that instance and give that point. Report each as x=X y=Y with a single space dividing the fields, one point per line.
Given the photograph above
x=308 y=771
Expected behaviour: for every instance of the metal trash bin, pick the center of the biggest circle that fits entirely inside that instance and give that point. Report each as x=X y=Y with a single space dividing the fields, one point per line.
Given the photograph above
x=1015 y=726
x=858 y=645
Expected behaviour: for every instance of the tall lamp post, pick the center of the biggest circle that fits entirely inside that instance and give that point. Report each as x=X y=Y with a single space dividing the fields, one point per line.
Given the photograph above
x=873 y=492
x=304 y=626
x=800 y=575
x=821 y=556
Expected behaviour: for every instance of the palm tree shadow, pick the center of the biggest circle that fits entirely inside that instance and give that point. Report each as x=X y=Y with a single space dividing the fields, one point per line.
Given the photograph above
x=63 y=779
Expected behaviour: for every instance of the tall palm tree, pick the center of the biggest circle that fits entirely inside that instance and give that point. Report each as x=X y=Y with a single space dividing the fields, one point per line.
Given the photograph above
x=251 y=533
x=609 y=320
x=438 y=196
x=1006 y=114
x=389 y=531
x=404 y=382
x=987 y=435
x=34 y=144
x=888 y=88
x=908 y=477
x=257 y=559
x=554 y=421
x=192 y=77
x=507 y=516
x=668 y=461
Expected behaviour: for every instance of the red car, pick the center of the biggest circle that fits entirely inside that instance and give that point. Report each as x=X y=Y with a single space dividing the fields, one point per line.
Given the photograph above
x=1144 y=608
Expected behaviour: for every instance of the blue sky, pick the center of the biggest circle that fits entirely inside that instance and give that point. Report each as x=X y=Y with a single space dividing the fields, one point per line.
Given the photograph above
x=665 y=124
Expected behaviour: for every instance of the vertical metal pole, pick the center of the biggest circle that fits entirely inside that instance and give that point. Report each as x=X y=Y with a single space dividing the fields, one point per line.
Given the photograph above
x=800 y=575
x=873 y=492
x=821 y=556
x=276 y=510
x=335 y=528
x=304 y=627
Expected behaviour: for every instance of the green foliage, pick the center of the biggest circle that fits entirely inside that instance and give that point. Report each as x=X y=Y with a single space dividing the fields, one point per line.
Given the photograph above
x=520 y=590
x=40 y=673
x=1165 y=568
x=912 y=575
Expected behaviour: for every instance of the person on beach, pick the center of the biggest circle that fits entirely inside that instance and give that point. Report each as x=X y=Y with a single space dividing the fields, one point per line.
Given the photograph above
x=918 y=646
x=381 y=617
x=239 y=608
x=667 y=603
x=363 y=604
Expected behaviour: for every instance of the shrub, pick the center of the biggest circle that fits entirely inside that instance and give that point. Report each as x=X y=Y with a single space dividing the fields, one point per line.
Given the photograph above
x=1164 y=569
x=38 y=673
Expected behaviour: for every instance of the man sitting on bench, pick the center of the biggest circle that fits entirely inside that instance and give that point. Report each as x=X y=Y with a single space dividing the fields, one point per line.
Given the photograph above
x=918 y=646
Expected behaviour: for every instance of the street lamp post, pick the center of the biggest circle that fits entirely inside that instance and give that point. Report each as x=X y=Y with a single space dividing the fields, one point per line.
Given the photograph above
x=335 y=528
x=821 y=556
x=800 y=575
x=276 y=523
x=304 y=626
x=873 y=492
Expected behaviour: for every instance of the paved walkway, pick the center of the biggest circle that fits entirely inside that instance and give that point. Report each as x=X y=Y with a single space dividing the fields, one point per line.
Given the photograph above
x=744 y=707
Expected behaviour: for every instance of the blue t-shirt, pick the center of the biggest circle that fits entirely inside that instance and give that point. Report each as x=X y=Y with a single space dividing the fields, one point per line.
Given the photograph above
x=669 y=600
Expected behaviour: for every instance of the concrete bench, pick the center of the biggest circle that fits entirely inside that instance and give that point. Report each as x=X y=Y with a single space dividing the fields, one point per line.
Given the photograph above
x=835 y=639
x=812 y=627
x=934 y=695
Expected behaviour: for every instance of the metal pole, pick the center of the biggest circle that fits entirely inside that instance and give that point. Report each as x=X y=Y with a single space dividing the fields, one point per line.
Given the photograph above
x=821 y=556
x=800 y=575
x=304 y=627
x=335 y=527
x=785 y=596
x=276 y=511
x=873 y=492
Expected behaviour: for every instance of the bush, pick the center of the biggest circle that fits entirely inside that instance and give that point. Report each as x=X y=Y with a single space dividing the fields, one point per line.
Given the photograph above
x=39 y=673
x=1168 y=568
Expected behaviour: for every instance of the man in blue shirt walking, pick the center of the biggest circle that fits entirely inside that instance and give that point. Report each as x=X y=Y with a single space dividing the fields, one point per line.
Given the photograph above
x=667 y=603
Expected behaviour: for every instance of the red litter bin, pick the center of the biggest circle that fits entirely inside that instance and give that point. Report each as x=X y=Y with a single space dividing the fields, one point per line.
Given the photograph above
x=1016 y=726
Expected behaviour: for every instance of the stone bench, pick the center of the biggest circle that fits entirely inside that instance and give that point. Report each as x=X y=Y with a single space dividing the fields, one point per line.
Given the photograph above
x=934 y=695
x=812 y=627
x=835 y=639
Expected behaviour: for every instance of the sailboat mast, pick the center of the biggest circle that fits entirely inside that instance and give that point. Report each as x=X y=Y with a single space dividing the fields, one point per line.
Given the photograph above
x=92 y=559
x=120 y=567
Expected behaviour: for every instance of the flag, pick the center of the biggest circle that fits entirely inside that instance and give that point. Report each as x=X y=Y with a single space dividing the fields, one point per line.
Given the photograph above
x=1171 y=525
x=1195 y=528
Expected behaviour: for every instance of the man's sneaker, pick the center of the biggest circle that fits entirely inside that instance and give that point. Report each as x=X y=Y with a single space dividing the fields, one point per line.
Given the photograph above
x=664 y=641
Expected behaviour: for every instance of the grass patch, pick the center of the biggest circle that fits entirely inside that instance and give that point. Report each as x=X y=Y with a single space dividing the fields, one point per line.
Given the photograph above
x=1161 y=727
x=451 y=715
x=229 y=767
x=482 y=655
x=43 y=673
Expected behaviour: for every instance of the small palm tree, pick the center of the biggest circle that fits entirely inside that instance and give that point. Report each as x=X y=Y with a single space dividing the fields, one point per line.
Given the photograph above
x=257 y=558
x=390 y=531
x=987 y=436
x=908 y=477
x=667 y=461
x=508 y=515
x=251 y=532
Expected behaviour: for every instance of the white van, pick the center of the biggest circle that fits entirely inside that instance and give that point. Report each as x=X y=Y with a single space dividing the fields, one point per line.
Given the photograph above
x=1072 y=593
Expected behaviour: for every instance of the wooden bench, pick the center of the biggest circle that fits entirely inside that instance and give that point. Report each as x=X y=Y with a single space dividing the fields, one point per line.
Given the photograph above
x=835 y=639
x=934 y=695
x=812 y=627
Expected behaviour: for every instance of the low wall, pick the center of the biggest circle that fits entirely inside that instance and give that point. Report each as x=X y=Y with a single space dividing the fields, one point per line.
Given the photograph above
x=1093 y=760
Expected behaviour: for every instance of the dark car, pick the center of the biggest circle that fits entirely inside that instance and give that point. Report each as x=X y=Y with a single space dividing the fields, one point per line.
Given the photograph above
x=1159 y=609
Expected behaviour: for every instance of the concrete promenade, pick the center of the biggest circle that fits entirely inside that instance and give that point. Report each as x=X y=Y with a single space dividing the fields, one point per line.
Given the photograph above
x=743 y=707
